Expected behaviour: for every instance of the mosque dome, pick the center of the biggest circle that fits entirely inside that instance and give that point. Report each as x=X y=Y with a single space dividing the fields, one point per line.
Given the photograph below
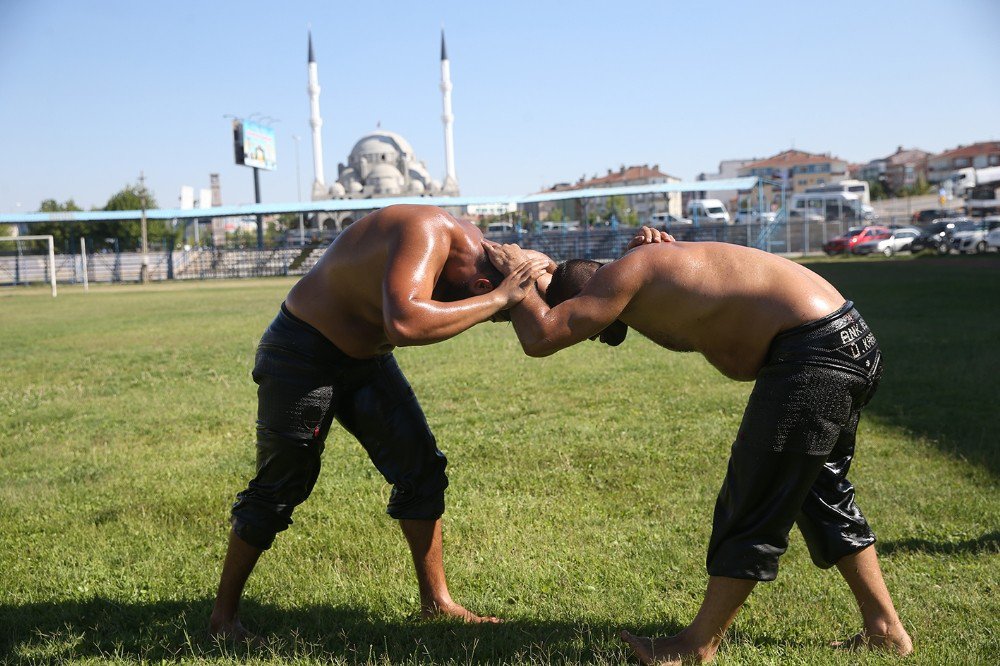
x=380 y=147
x=382 y=164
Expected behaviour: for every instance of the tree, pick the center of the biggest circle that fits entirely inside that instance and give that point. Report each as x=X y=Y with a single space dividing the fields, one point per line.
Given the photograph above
x=129 y=232
x=64 y=234
x=556 y=214
x=875 y=189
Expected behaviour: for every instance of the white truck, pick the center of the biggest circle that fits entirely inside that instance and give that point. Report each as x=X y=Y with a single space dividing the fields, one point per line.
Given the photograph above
x=708 y=210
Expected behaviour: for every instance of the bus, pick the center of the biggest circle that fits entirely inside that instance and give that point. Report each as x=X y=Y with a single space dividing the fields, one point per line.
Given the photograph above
x=835 y=205
x=856 y=187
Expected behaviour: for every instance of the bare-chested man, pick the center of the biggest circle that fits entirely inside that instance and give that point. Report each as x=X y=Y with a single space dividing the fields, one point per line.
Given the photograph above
x=754 y=316
x=405 y=275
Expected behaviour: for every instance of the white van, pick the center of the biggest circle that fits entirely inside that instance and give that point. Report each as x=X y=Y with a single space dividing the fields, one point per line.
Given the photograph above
x=708 y=210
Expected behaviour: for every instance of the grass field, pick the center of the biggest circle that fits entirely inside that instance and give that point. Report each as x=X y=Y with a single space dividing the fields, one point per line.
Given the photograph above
x=581 y=491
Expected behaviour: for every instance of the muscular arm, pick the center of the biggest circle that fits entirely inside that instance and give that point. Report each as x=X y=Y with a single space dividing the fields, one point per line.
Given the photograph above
x=410 y=314
x=543 y=331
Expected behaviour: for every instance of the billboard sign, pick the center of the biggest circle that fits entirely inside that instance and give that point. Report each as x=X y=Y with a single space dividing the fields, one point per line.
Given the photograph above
x=254 y=145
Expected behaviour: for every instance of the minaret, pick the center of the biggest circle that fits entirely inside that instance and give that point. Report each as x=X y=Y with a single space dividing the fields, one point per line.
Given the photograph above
x=319 y=183
x=450 y=181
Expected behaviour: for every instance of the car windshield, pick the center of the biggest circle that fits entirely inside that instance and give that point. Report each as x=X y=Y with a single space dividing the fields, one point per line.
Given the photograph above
x=937 y=227
x=853 y=232
x=715 y=210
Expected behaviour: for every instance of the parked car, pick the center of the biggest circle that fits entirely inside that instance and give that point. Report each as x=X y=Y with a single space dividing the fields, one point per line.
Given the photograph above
x=668 y=220
x=973 y=241
x=993 y=239
x=843 y=243
x=755 y=217
x=797 y=215
x=898 y=240
x=937 y=235
x=922 y=217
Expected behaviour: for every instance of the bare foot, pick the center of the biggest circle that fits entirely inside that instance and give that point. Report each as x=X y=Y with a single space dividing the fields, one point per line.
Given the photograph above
x=673 y=650
x=232 y=632
x=894 y=639
x=454 y=610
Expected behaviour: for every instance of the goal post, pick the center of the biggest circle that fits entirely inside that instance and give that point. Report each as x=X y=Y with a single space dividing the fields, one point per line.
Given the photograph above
x=52 y=254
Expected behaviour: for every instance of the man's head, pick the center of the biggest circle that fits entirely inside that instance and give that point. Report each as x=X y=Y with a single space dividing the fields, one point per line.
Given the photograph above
x=481 y=277
x=568 y=280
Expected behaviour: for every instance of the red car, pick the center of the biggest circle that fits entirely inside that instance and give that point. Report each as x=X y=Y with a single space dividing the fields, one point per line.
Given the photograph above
x=853 y=237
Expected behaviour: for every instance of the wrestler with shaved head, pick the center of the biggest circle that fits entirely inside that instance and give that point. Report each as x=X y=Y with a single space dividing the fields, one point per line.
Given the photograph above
x=401 y=276
x=755 y=317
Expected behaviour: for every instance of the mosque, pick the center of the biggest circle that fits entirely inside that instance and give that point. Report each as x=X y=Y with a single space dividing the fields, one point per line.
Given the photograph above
x=382 y=163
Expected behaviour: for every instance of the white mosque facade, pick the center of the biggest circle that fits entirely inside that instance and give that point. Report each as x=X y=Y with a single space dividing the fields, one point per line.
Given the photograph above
x=382 y=163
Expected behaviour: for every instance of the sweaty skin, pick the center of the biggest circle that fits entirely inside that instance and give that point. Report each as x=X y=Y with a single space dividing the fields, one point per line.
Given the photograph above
x=724 y=301
x=374 y=287
x=403 y=275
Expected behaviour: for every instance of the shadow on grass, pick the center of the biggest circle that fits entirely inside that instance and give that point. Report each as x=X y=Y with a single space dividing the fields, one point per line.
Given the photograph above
x=938 y=326
x=151 y=631
x=987 y=543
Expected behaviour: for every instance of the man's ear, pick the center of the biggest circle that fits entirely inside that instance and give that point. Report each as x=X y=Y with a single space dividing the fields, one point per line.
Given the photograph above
x=543 y=283
x=481 y=286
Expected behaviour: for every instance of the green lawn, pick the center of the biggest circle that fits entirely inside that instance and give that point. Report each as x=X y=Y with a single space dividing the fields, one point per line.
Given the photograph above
x=582 y=487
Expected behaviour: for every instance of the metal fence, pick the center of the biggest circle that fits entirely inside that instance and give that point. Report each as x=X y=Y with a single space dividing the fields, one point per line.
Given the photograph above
x=794 y=237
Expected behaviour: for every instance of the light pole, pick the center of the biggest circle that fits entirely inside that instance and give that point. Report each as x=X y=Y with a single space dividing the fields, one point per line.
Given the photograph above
x=298 y=191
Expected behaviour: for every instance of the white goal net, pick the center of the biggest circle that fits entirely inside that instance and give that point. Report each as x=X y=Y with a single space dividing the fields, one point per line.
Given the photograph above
x=27 y=260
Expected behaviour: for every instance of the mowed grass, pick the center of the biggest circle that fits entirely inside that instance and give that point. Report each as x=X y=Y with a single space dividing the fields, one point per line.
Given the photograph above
x=581 y=494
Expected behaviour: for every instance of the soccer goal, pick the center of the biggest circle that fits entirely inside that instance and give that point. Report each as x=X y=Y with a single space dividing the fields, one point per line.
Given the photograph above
x=25 y=264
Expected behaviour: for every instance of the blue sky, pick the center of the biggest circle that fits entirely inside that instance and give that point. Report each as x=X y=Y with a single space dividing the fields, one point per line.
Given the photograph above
x=93 y=92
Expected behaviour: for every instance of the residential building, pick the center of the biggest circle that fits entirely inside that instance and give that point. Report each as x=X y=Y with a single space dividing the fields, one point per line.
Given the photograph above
x=904 y=168
x=797 y=170
x=978 y=156
x=642 y=205
x=727 y=169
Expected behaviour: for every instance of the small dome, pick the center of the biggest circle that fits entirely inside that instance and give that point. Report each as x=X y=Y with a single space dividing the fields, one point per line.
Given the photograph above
x=384 y=179
x=337 y=190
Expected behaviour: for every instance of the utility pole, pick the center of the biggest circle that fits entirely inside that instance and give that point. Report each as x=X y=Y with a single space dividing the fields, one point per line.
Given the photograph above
x=144 y=269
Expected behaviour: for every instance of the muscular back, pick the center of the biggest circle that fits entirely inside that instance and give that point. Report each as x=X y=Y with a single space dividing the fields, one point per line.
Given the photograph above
x=343 y=295
x=725 y=301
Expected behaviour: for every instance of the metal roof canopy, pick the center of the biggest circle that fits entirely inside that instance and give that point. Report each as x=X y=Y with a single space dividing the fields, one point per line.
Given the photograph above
x=336 y=205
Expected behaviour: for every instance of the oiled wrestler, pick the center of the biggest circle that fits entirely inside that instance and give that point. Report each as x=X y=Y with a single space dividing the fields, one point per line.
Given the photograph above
x=401 y=276
x=755 y=317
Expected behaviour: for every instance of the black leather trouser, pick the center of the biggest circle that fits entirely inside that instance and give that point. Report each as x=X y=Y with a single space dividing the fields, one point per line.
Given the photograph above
x=790 y=460
x=304 y=383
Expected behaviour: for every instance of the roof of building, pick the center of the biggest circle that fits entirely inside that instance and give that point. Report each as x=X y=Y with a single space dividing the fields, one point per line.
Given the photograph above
x=623 y=175
x=907 y=156
x=981 y=148
x=792 y=158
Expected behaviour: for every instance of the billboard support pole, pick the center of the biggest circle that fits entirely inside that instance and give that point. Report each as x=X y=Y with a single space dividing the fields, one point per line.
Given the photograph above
x=260 y=218
x=144 y=268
